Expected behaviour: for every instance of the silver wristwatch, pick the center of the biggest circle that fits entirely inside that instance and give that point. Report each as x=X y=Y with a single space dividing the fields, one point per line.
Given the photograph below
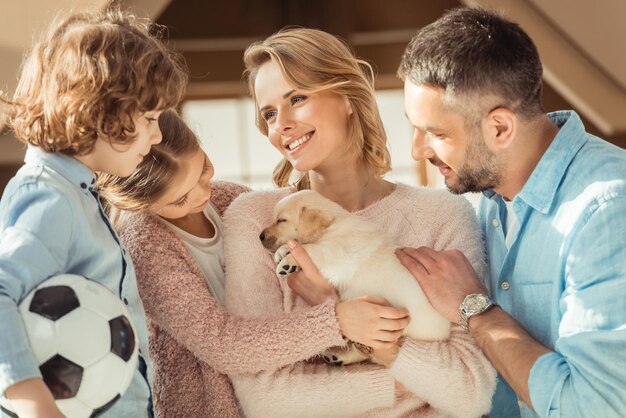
x=473 y=304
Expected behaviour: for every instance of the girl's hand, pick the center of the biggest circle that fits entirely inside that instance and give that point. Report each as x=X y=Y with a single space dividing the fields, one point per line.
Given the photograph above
x=385 y=355
x=401 y=391
x=371 y=321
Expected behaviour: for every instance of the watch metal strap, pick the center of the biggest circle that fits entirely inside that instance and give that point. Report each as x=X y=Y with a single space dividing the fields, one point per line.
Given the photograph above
x=464 y=316
x=463 y=319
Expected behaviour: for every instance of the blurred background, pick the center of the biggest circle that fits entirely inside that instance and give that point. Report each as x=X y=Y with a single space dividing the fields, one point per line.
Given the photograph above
x=581 y=44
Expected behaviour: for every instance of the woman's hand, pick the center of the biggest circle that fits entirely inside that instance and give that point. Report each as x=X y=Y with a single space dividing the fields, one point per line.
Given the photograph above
x=308 y=282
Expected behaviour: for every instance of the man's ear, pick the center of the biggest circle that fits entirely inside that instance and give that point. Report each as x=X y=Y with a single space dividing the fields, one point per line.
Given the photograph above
x=499 y=128
x=311 y=225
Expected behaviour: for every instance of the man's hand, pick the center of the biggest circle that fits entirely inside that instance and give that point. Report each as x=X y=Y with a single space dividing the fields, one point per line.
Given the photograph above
x=445 y=276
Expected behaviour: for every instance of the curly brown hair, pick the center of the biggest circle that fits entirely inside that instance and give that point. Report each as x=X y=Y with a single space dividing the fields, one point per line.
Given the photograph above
x=86 y=78
x=151 y=179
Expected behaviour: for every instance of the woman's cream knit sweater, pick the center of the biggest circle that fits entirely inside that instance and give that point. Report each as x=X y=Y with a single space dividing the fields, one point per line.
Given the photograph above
x=451 y=378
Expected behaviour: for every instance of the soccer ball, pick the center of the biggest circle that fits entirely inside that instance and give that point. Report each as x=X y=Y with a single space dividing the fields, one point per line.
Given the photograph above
x=83 y=339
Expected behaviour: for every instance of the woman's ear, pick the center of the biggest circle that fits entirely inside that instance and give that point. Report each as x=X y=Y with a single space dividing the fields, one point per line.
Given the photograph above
x=348 y=105
x=499 y=128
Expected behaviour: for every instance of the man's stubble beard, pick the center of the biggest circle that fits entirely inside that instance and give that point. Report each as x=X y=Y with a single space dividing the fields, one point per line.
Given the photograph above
x=480 y=170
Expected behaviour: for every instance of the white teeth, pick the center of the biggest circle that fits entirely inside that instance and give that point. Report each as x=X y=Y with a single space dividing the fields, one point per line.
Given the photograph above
x=295 y=144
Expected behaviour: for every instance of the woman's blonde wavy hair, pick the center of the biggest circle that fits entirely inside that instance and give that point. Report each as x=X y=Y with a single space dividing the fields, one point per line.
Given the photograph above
x=152 y=177
x=313 y=60
x=86 y=78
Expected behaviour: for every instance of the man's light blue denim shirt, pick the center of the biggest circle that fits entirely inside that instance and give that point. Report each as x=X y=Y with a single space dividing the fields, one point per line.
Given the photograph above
x=51 y=222
x=564 y=277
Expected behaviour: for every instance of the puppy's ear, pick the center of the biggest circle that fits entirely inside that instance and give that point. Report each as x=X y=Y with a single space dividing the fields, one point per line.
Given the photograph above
x=312 y=224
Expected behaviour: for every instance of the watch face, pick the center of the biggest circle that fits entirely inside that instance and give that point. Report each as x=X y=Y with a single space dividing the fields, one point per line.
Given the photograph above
x=475 y=302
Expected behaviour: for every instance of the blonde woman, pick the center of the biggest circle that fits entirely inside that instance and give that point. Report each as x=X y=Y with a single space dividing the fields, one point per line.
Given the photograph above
x=316 y=105
x=169 y=215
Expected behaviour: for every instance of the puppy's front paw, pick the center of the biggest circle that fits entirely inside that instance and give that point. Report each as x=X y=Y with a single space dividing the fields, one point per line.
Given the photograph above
x=341 y=356
x=333 y=356
x=280 y=253
x=286 y=266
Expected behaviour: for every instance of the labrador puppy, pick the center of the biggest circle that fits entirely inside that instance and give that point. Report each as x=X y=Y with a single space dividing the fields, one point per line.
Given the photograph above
x=356 y=256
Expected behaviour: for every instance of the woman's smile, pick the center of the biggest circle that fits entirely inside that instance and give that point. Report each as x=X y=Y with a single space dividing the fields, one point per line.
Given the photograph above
x=298 y=144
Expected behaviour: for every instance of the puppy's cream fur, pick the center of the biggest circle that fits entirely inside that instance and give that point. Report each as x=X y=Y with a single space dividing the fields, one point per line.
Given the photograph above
x=355 y=255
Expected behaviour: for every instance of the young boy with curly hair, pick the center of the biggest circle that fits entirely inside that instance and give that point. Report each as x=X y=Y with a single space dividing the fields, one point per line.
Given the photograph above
x=88 y=100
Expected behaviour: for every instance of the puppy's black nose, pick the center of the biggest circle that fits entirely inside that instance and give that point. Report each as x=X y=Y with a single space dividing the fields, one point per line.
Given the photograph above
x=262 y=236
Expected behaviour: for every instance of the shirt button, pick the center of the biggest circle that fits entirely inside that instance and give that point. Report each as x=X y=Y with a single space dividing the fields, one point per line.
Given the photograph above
x=505 y=285
x=125 y=301
x=83 y=185
x=495 y=223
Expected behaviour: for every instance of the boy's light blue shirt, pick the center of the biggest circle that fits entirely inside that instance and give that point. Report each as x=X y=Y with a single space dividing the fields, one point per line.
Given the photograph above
x=51 y=222
x=564 y=277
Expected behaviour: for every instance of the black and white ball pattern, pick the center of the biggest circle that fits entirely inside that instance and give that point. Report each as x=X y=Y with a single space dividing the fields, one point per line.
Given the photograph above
x=83 y=339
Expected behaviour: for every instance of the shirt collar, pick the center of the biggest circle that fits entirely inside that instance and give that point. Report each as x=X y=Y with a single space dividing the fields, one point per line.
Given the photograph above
x=73 y=170
x=541 y=186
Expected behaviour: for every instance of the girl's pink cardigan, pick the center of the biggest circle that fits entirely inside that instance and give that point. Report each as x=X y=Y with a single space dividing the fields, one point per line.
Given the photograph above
x=194 y=341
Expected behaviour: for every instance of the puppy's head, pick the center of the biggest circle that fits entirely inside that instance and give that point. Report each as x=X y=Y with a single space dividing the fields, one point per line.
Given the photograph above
x=303 y=216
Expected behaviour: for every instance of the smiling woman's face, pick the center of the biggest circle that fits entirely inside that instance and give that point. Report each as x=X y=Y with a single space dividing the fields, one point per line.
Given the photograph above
x=310 y=129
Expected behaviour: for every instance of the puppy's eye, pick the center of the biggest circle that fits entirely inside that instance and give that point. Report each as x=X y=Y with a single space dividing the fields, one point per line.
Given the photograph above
x=281 y=220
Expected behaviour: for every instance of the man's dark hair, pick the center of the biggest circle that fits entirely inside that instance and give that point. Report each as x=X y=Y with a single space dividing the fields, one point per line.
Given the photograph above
x=475 y=52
